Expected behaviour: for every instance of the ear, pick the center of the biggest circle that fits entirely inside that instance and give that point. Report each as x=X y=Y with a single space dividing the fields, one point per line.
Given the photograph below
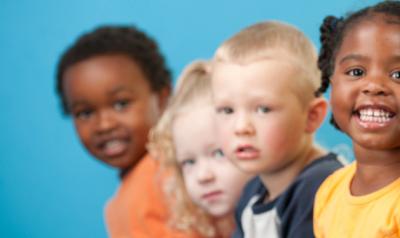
x=317 y=110
x=163 y=97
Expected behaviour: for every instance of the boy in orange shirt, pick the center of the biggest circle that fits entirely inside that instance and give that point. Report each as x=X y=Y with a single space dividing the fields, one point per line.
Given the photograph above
x=115 y=84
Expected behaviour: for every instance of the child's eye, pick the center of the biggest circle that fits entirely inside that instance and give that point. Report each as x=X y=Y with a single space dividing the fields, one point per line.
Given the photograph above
x=355 y=72
x=224 y=110
x=396 y=76
x=187 y=163
x=120 y=104
x=262 y=109
x=83 y=114
x=218 y=153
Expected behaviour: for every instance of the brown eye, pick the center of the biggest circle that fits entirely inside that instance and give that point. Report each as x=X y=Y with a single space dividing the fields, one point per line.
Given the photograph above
x=120 y=105
x=83 y=114
x=396 y=76
x=355 y=72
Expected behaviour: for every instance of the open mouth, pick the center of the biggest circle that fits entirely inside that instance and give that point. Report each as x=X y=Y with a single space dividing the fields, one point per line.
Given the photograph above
x=113 y=147
x=374 y=116
x=247 y=152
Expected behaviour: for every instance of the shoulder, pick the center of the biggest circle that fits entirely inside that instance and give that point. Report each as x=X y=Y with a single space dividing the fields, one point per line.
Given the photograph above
x=141 y=182
x=301 y=192
x=315 y=173
x=328 y=189
x=321 y=168
x=336 y=179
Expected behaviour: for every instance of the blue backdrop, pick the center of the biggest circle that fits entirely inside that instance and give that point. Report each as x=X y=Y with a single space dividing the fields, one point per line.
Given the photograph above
x=50 y=186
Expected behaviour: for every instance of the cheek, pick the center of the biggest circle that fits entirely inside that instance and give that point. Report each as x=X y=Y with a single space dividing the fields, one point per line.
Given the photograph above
x=272 y=136
x=191 y=187
x=83 y=131
x=223 y=133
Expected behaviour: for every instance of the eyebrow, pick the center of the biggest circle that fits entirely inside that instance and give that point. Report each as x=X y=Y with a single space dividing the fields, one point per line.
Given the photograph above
x=352 y=57
x=78 y=103
x=119 y=89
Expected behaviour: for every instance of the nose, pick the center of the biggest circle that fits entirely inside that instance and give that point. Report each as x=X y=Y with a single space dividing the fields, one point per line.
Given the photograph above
x=375 y=86
x=106 y=121
x=243 y=125
x=205 y=173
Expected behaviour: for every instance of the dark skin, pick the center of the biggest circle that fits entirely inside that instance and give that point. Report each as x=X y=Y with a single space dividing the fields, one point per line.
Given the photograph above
x=113 y=108
x=365 y=100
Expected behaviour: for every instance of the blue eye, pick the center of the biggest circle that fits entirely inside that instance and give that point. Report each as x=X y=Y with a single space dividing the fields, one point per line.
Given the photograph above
x=396 y=76
x=186 y=163
x=218 y=153
x=83 y=114
x=356 y=72
x=120 y=105
x=224 y=110
x=263 y=109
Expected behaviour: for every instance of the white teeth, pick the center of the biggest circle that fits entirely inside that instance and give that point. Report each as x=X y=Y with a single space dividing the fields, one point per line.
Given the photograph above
x=112 y=143
x=374 y=115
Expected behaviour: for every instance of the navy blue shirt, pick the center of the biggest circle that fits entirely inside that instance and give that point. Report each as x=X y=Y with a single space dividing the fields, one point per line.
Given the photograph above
x=291 y=213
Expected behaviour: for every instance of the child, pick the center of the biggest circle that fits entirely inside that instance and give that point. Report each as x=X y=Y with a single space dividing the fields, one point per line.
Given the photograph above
x=360 y=57
x=115 y=84
x=264 y=79
x=202 y=184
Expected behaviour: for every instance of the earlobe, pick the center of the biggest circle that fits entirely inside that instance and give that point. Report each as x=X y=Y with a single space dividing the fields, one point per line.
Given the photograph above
x=316 y=114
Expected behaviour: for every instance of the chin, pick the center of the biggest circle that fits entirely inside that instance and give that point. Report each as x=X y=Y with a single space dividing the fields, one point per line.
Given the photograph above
x=219 y=213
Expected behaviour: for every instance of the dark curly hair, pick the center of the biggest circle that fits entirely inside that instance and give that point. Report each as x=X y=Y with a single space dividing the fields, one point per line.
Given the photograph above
x=126 y=40
x=334 y=29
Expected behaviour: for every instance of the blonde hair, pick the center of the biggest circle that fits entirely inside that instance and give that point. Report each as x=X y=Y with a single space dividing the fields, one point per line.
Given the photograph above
x=194 y=84
x=266 y=40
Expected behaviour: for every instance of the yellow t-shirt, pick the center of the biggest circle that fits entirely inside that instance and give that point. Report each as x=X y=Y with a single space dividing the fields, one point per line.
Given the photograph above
x=338 y=214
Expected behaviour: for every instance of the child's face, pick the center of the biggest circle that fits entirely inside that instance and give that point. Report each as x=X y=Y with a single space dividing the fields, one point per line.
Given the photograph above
x=211 y=180
x=261 y=121
x=113 y=108
x=366 y=84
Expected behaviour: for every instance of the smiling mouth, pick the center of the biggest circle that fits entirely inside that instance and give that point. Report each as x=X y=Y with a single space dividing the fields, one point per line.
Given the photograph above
x=374 y=116
x=113 y=147
x=378 y=115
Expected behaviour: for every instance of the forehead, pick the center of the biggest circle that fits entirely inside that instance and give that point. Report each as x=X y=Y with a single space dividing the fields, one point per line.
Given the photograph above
x=272 y=76
x=106 y=73
x=193 y=127
x=376 y=37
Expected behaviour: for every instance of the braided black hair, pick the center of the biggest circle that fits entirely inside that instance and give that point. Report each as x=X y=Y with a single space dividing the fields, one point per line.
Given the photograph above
x=332 y=32
x=125 y=40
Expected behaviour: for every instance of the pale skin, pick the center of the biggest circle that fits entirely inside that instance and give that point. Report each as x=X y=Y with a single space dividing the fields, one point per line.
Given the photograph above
x=263 y=125
x=212 y=181
x=366 y=77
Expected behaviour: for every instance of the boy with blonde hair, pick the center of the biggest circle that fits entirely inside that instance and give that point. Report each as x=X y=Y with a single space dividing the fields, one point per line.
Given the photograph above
x=264 y=83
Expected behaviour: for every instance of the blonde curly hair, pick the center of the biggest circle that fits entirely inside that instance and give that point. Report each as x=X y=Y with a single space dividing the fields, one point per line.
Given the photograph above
x=193 y=84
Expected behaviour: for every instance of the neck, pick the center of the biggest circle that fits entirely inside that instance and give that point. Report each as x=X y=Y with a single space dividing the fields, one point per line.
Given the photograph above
x=278 y=181
x=375 y=169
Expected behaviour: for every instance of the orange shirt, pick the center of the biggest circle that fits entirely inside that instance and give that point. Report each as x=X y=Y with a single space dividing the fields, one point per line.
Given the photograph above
x=139 y=209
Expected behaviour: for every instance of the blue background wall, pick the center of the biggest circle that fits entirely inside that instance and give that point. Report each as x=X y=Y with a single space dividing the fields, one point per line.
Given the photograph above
x=49 y=186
